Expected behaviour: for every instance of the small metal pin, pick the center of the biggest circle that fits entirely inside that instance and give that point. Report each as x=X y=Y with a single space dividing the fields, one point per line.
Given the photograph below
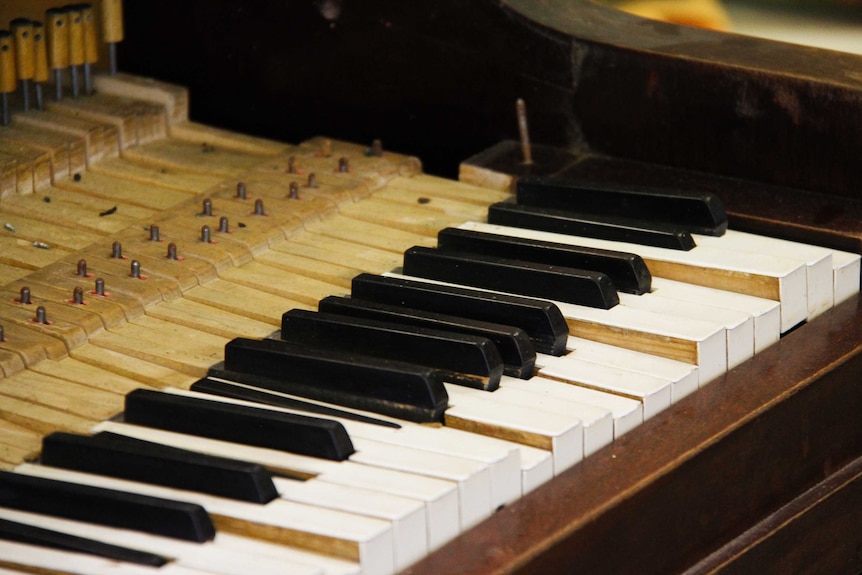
x=82 y=268
x=294 y=191
x=135 y=269
x=291 y=165
x=100 y=287
x=41 y=245
x=206 y=235
x=155 y=234
x=41 y=315
x=24 y=296
x=376 y=149
x=207 y=207
x=172 y=251
x=258 y=208
x=526 y=150
x=117 y=250
x=241 y=191
x=2 y=334
x=223 y=226
x=343 y=166
x=312 y=180
x=78 y=296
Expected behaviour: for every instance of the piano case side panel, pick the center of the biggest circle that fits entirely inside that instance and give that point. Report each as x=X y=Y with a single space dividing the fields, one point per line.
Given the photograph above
x=695 y=476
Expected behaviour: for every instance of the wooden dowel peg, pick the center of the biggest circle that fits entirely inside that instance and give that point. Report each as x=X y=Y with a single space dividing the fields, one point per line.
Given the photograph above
x=40 y=56
x=25 y=61
x=57 y=25
x=91 y=45
x=8 y=81
x=112 y=29
x=76 y=44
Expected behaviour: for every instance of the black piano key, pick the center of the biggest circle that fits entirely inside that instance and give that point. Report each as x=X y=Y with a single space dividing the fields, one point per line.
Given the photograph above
x=541 y=320
x=513 y=343
x=224 y=388
x=390 y=387
x=239 y=423
x=698 y=212
x=235 y=390
x=32 y=535
x=570 y=285
x=469 y=360
x=628 y=271
x=137 y=460
x=176 y=519
x=576 y=224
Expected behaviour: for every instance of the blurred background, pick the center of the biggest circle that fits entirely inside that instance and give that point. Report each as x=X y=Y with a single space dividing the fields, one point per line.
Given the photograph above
x=831 y=24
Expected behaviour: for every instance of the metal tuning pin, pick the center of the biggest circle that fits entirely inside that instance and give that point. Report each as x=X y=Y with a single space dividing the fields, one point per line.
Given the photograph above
x=135 y=269
x=258 y=208
x=206 y=235
x=207 y=207
x=82 y=269
x=57 y=21
x=8 y=81
x=91 y=46
x=312 y=180
x=294 y=191
x=78 y=295
x=24 y=296
x=25 y=62
x=523 y=131
x=343 y=166
x=117 y=251
x=40 y=55
x=41 y=315
x=376 y=149
x=2 y=334
x=99 y=288
x=223 y=225
x=112 y=29
x=76 y=45
x=172 y=251
x=154 y=233
x=241 y=191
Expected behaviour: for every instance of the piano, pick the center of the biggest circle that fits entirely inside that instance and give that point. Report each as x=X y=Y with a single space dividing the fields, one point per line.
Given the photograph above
x=761 y=470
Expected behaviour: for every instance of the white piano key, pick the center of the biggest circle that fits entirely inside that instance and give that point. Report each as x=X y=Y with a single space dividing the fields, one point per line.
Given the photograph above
x=598 y=424
x=817 y=262
x=407 y=516
x=846 y=274
x=210 y=556
x=698 y=342
x=537 y=467
x=562 y=436
x=738 y=326
x=501 y=457
x=440 y=496
x=342 y=534
x=287 y=555
x=627 y=413
x=654 y=393
x=766 y=312
x=55 y=561
x=762 y=275
x=473 y=477
x=683 y=377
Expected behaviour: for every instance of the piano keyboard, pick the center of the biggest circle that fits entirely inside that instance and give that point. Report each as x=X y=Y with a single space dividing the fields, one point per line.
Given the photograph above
x=137 y=173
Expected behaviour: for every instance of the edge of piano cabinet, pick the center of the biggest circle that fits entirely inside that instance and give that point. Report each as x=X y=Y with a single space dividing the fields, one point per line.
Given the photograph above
x=691 y=479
